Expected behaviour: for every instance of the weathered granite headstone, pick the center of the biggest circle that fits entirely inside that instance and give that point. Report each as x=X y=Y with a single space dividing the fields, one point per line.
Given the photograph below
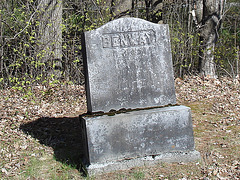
x=128 y=64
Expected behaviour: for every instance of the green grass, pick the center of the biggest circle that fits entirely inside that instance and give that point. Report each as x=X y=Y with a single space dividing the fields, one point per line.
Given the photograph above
x=47 y=167
x=138 y=174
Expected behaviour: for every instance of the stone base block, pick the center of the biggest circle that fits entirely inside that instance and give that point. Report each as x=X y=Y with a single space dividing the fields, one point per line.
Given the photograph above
x=163 y=133
x=100 y=168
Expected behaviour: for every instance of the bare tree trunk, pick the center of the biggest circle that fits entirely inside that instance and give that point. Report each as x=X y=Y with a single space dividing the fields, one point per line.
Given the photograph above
x=237 y=61
x=1 y=42
x=237 y=49
x=209 y=14
x=51 y=34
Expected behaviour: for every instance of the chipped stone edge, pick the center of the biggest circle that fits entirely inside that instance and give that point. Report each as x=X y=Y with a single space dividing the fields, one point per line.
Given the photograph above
x=170 y=157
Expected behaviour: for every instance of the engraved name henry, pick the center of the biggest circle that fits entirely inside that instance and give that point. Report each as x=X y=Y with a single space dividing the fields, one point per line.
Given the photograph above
x=129 y=39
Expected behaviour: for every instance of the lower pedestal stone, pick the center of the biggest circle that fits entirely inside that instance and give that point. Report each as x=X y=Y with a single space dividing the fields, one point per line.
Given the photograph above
x=133 y=138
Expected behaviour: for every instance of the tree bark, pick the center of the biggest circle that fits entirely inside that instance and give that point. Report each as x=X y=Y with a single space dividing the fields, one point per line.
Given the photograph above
x=1 y=42
x=51 y=34
x=209 y=14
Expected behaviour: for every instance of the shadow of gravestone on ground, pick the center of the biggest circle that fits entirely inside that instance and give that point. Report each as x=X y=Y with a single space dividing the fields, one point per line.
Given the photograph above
x=62 y=134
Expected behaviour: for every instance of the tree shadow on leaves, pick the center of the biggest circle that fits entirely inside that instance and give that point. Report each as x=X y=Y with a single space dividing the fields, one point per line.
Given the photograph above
x=64 y=135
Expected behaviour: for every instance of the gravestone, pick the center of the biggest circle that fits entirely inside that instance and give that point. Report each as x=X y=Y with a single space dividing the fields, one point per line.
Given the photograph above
x=128 y=69
x=129 y=66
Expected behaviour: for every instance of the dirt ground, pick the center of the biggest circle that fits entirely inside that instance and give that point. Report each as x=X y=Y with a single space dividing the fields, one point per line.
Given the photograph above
x=39 y=132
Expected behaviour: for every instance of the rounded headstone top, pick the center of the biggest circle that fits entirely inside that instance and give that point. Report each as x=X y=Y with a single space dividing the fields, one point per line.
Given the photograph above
x=128 y=65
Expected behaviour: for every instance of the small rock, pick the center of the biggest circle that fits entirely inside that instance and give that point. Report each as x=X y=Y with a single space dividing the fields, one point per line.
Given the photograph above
x=42 y=158
x=215 y=171
x=235 y=162
x=224 y=145
x=7 y=166
x=24 y=147
x=161 y=176
x=4 y=171
x=18 y=165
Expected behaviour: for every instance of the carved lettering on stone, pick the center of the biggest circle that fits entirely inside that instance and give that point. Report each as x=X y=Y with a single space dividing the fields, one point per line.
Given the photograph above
x=128 y=39
x=129 y=65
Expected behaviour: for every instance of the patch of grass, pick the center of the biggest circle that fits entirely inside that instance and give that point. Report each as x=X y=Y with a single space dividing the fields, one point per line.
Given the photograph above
x=92 y=177
x=47 y=167
x=121 y=176
x=138 y=174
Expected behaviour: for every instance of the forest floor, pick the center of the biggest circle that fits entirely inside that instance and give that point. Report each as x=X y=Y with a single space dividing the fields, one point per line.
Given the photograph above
x=39 y=133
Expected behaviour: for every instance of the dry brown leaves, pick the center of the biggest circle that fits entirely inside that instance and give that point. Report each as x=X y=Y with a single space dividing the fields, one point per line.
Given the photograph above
x=223 y=96
x=219 y=141
x=17 y=108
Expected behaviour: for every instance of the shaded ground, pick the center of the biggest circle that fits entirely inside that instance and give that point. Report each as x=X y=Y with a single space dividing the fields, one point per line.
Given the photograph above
x=62 y=134
x=39 y=133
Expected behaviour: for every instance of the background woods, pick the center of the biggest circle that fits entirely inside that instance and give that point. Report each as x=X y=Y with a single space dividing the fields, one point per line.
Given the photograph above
x=41 y=40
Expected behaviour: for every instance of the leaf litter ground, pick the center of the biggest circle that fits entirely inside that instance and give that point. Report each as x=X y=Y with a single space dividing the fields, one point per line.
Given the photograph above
x=40 y=133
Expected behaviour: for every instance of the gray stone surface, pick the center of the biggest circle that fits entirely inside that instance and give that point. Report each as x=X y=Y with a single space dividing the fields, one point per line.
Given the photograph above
x=128 y=64
x=183 y=156
x=138 y=134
